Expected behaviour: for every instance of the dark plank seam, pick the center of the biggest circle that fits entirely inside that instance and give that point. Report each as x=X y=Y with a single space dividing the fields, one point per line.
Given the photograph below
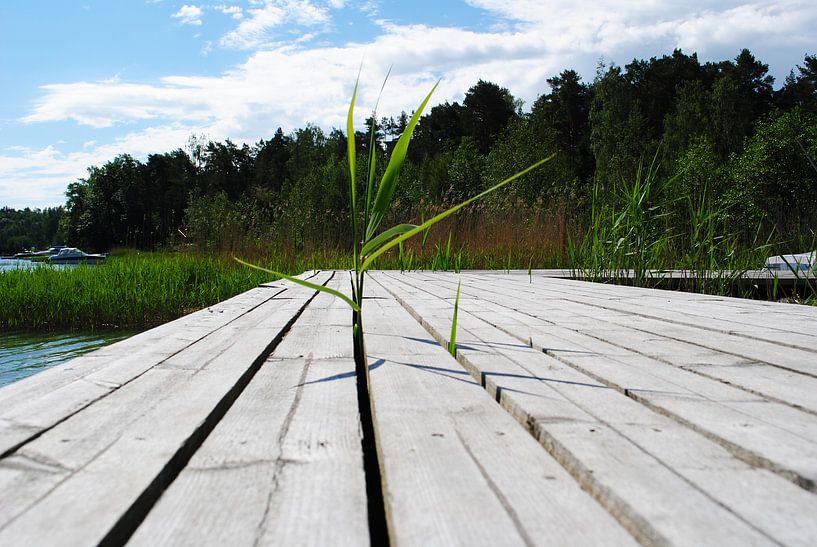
x=130 y=520
x=509 y=510
x=633 y=522
x=375 y=479
x=34 y=436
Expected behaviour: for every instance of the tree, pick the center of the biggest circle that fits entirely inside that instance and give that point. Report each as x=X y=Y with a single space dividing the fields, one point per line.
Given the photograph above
x=690 y=119
x=754 y=84
x=654 y=86
x=439 y=130
x=800 y=90
x=170 y=178
x=618 y=135
x=731 y=121
x=522 y=144
x=465 y=171
x=487 y=110
x=29 y=228
x=227 y=168
x=271 y=158
x=773 y=179
x=567 y=109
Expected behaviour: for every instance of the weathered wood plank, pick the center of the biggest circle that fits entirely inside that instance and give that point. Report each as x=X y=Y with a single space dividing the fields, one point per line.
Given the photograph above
x=36 y=403
x=713 y=354
x=781 y=324
x=699 y=350
x=750 y=318
x=284 y=466
x=150 y=427
x=446 y=449
x=662 y=480
x=659 y=340
x=763 y=433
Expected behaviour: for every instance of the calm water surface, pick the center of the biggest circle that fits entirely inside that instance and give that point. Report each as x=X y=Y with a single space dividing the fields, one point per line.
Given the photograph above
x=12 y=264
x=25 y=353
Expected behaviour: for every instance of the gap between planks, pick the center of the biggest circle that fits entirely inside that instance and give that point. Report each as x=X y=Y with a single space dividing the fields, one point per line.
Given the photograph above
x=647 y=516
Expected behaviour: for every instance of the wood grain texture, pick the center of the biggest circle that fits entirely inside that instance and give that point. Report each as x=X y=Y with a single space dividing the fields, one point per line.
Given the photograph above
x=665 y=482
x=450 y=456
x=764 y=433
x=766 y=322
x=284 y=465
x=624 y=415
x=125 y=444
x=36 y=403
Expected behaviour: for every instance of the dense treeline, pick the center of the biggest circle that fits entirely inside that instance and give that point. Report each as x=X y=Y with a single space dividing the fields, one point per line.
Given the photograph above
x=29 y=229
x=716 y=139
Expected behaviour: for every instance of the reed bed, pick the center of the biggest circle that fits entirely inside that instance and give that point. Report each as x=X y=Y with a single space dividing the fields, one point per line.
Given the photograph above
x=133 y=291
x=141 y=290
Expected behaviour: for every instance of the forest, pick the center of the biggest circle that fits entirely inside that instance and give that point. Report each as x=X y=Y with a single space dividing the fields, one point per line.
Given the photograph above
x=664 y=156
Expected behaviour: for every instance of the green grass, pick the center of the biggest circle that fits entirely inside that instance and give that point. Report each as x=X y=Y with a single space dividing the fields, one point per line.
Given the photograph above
x=133 y=291
x=640 y=227
x=452 y=339
x=140 y=290
x=370 y=243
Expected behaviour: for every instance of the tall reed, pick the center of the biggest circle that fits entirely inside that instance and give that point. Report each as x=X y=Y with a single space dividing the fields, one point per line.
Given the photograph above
x=369 y=243
x=135 y=291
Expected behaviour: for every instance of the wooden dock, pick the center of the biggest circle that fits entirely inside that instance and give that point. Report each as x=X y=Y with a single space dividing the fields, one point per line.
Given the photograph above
x=575 y=413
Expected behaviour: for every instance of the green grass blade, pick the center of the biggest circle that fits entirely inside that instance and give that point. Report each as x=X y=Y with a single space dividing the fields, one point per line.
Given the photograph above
x=307 y=284
x=434 y=220
x=389 y=180
x=385 y=236
x=452 y=340
x=372 y=157
x=350 y=150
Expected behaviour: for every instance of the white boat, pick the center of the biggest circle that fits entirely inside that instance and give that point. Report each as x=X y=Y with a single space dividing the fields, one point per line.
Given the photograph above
x=51 y=251
x=72 y=255
x=802 y=262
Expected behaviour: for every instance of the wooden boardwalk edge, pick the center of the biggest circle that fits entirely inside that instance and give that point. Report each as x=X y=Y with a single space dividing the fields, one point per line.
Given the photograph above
x=36 y=508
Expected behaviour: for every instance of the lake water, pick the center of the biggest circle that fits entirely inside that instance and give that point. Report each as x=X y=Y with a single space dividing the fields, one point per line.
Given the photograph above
x=25 y=353
x=12 y=264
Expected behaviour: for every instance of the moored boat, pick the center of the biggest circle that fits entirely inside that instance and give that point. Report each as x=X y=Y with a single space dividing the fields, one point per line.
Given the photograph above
x=42 y=256
x=50 y=251
x=72 y=255
x=33 y=255
x=24 y=254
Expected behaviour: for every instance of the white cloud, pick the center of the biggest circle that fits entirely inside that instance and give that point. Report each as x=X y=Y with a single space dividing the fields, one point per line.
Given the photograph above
x=254 y=31
x=297 y=83
x=609 y=27
x=189 y=15
x=39 y=177
x=233 y=11
x=289 y=85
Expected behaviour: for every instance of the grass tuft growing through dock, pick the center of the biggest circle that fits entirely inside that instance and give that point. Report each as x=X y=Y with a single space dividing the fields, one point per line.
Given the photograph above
x=369 y=243
x=452 y=339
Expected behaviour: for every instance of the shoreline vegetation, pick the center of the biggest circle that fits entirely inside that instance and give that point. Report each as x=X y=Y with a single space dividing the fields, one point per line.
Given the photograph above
x=140 y=290
x=664 y=163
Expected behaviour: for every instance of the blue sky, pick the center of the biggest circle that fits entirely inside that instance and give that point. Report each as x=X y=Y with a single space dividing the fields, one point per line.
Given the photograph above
x=83 y=81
